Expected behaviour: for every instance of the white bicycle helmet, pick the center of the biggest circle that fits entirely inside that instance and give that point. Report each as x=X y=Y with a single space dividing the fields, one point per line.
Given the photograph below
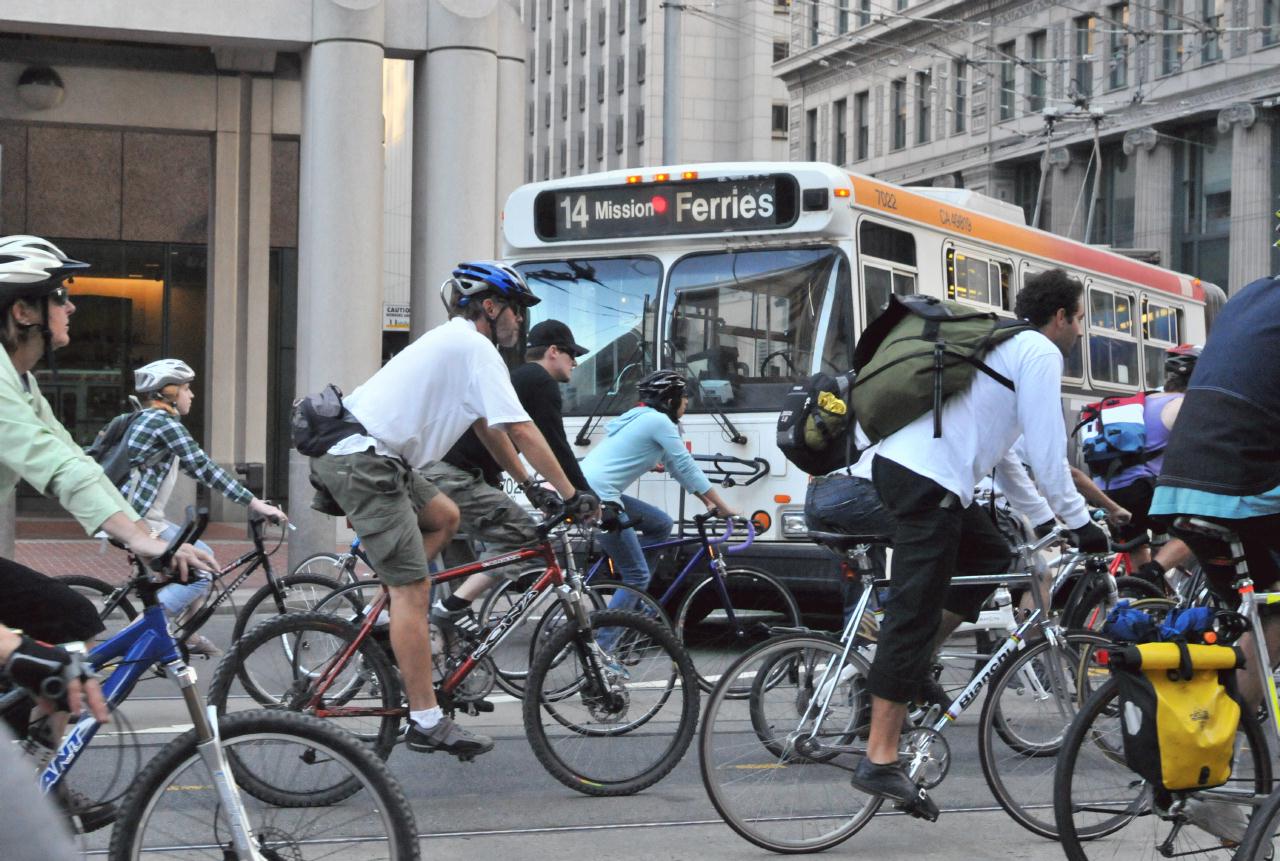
x=31 y=267
x=156 y=375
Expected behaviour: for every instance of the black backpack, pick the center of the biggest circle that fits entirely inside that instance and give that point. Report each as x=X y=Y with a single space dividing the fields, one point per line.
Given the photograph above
x=109 y=449
x=320 y=420
x=815 y=439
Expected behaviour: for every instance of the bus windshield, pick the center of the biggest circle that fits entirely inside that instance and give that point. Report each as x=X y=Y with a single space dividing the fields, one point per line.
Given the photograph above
x=745 y=324
x=611 y=306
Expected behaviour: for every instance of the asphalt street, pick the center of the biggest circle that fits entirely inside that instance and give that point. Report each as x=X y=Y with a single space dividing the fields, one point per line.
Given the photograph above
x=504 y=803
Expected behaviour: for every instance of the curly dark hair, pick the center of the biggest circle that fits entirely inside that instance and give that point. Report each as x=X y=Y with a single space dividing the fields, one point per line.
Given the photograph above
x=1044 y=293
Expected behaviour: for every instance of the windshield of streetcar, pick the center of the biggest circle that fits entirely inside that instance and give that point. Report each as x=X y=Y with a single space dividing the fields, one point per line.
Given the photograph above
x=611 y=306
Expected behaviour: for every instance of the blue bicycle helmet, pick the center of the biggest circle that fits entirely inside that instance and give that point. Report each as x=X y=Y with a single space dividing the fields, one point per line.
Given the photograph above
x=491 y=279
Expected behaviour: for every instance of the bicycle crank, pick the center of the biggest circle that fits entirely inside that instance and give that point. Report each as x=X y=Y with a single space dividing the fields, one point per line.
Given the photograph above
x=927 y=756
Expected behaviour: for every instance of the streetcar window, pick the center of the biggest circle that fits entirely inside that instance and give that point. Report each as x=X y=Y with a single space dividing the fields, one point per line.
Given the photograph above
x=610 y=304
x=886 y=243
x=888 y=260
x=1113 y=342
x=879 y=283
x=975 y=279
x=1161 y=330
x=744 y=324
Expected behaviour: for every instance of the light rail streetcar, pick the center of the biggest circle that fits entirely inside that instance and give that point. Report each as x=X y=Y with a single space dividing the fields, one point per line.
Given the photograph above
x=747 y=277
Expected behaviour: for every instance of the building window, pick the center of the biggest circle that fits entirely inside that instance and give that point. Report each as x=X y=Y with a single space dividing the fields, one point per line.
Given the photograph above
x=898 y=108
x=564 y=46
x=839 y=118
x=1005 y=56
x=842 y=16
x=1118 y=46
x=580 y=150
x=528 y=168
x=600 y=25
x=924 y=106
x=778 y=124
x=546 y=52
x=617 y=133
x=1036 y=72
x=531 y=116
x=1204 y=203
x=959 y=94
x=1171 y=40
x=864 y=12
x=642 y=11
x=862 y=126
x=811 y=134
x=533 y=66
x=640 y=64
x=1082 y=60
x=600 y=82
x=780 y=50
x=901 y=5
x=640 y=125
x=620 y=73
x=562 y=152
x=548 y=7
x=582 y=36
x=782 y=7
x=582 y=93
x=546 y=109
x=599 y=141
x=1270 y=22
x=546 y=162
x=564 y=101
x=1113 y=217
x=814 y=22
x=622 y=17
x=531 y=15
x=1211 y=47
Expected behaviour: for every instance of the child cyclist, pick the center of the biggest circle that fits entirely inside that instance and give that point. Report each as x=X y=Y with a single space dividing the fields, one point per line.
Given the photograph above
x=636 y=442
x=159 y=445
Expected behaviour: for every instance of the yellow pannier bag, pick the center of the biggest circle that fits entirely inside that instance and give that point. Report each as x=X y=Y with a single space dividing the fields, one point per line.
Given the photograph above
x=1179 y=712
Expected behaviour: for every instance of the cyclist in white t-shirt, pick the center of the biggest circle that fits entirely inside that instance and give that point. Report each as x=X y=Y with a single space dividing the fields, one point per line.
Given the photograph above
x=412 y=411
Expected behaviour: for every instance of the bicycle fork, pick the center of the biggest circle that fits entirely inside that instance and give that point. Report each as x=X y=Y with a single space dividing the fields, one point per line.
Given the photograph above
x=209 y=745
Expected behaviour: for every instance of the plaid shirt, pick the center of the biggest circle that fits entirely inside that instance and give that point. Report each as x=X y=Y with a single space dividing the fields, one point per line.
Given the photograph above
x=155 y=438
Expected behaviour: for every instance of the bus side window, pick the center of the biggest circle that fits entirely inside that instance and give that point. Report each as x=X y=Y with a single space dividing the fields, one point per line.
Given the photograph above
x=1161 y=330
x=888 y=260
x=1113 y=342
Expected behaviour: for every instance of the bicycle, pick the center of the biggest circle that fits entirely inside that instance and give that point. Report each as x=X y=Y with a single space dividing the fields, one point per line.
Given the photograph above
x=787 y=723
x=1105 y=810
x=297 y=591
x=242 y=787
x=585 y=722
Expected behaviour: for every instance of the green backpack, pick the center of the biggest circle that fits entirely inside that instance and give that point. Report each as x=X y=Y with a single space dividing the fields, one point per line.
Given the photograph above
x=919 y=352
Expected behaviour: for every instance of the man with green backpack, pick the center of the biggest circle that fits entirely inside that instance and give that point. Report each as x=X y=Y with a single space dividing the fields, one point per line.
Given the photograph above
x=946 y=391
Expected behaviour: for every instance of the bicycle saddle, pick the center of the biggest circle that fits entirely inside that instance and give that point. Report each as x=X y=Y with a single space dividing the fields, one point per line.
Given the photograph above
x=846 y=540
x=1201 y=526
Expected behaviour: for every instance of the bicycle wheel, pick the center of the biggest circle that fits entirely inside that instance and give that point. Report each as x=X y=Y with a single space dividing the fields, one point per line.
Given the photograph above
x=174 y=811
x=279 y=661
x=1025 y=718
x=344 y=568
x=1104 y=810
x=715 y=637
x=114 y=614
x=1263 y=837
x=617 y=726
x=775 y=763
x=1091 y=612
x=297 y=593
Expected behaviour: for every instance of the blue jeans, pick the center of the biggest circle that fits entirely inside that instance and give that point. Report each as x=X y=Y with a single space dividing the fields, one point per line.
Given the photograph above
x=176 y=597
x=652 y=525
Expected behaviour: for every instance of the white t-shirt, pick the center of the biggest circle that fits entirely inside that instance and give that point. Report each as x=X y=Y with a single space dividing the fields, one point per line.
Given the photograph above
x=422 y=401
x=980 y=425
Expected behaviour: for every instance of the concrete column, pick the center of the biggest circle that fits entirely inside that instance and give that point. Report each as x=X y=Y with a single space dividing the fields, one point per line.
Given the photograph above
x=1251 y=205
x=340 y=224
x=1153 y=199
x=512 y=139
x=257 y=286
x=1068 y=205
x=455 y=146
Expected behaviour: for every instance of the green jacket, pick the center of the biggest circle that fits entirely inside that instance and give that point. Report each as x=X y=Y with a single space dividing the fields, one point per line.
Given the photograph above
x=34 y=446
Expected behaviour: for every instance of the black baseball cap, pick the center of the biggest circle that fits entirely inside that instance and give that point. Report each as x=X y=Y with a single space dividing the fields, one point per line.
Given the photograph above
x=553 y=333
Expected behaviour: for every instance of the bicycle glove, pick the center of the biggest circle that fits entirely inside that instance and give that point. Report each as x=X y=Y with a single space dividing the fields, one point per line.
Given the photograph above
x=545 y=500
x=581 y=504
x=1091 y=538
x=1045 y=528
x=43 y=670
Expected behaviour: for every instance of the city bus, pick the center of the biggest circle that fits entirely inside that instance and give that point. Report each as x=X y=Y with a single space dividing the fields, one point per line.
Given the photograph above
x=749 y=277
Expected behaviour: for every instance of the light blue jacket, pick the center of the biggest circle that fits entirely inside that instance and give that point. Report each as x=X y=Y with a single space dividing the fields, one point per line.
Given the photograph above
x=635 y=443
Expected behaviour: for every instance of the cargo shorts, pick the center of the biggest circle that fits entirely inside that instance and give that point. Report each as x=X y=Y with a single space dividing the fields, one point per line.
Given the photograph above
x=381 y=497
x=488 y=515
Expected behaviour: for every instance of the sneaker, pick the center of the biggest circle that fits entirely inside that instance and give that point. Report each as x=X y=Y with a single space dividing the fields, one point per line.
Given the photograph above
x=447 y=736
x=462 y=622
x=1227 y=822
x=199 y=644
x=890 y=781
x=92 y=814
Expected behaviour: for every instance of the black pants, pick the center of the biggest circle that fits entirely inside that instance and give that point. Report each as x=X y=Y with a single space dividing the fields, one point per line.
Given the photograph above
x=934 y=538
x=1261 y=539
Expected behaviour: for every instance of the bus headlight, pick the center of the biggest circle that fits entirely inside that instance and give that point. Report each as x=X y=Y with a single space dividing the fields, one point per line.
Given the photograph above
x=793 y=525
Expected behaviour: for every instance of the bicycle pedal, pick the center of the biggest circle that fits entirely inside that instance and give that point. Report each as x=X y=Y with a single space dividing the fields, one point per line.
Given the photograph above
x=482 y=706
x=920 y=807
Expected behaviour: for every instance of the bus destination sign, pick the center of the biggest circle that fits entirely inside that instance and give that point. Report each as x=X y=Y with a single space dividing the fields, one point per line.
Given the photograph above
x=667 y=208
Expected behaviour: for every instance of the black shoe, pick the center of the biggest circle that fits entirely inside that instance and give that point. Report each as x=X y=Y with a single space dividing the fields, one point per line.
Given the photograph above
x=447 y=736
x=890 y=781
x=1153 y=573
x=91 y=814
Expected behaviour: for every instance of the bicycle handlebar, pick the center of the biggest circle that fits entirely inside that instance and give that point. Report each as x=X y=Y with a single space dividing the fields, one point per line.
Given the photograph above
x=701 y=520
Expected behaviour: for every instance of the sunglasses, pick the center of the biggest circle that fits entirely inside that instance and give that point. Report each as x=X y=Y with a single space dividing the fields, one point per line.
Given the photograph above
x=60 y=296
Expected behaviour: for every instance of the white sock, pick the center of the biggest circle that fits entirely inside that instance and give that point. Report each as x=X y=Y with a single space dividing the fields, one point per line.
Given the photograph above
x=427 y=718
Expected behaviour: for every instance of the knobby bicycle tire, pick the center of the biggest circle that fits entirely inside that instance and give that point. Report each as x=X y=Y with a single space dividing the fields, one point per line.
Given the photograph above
x=174 y=795
x=620 y=740
x=270 y=676
x=760 y=602
x=759 y=765
x=1104 y=810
